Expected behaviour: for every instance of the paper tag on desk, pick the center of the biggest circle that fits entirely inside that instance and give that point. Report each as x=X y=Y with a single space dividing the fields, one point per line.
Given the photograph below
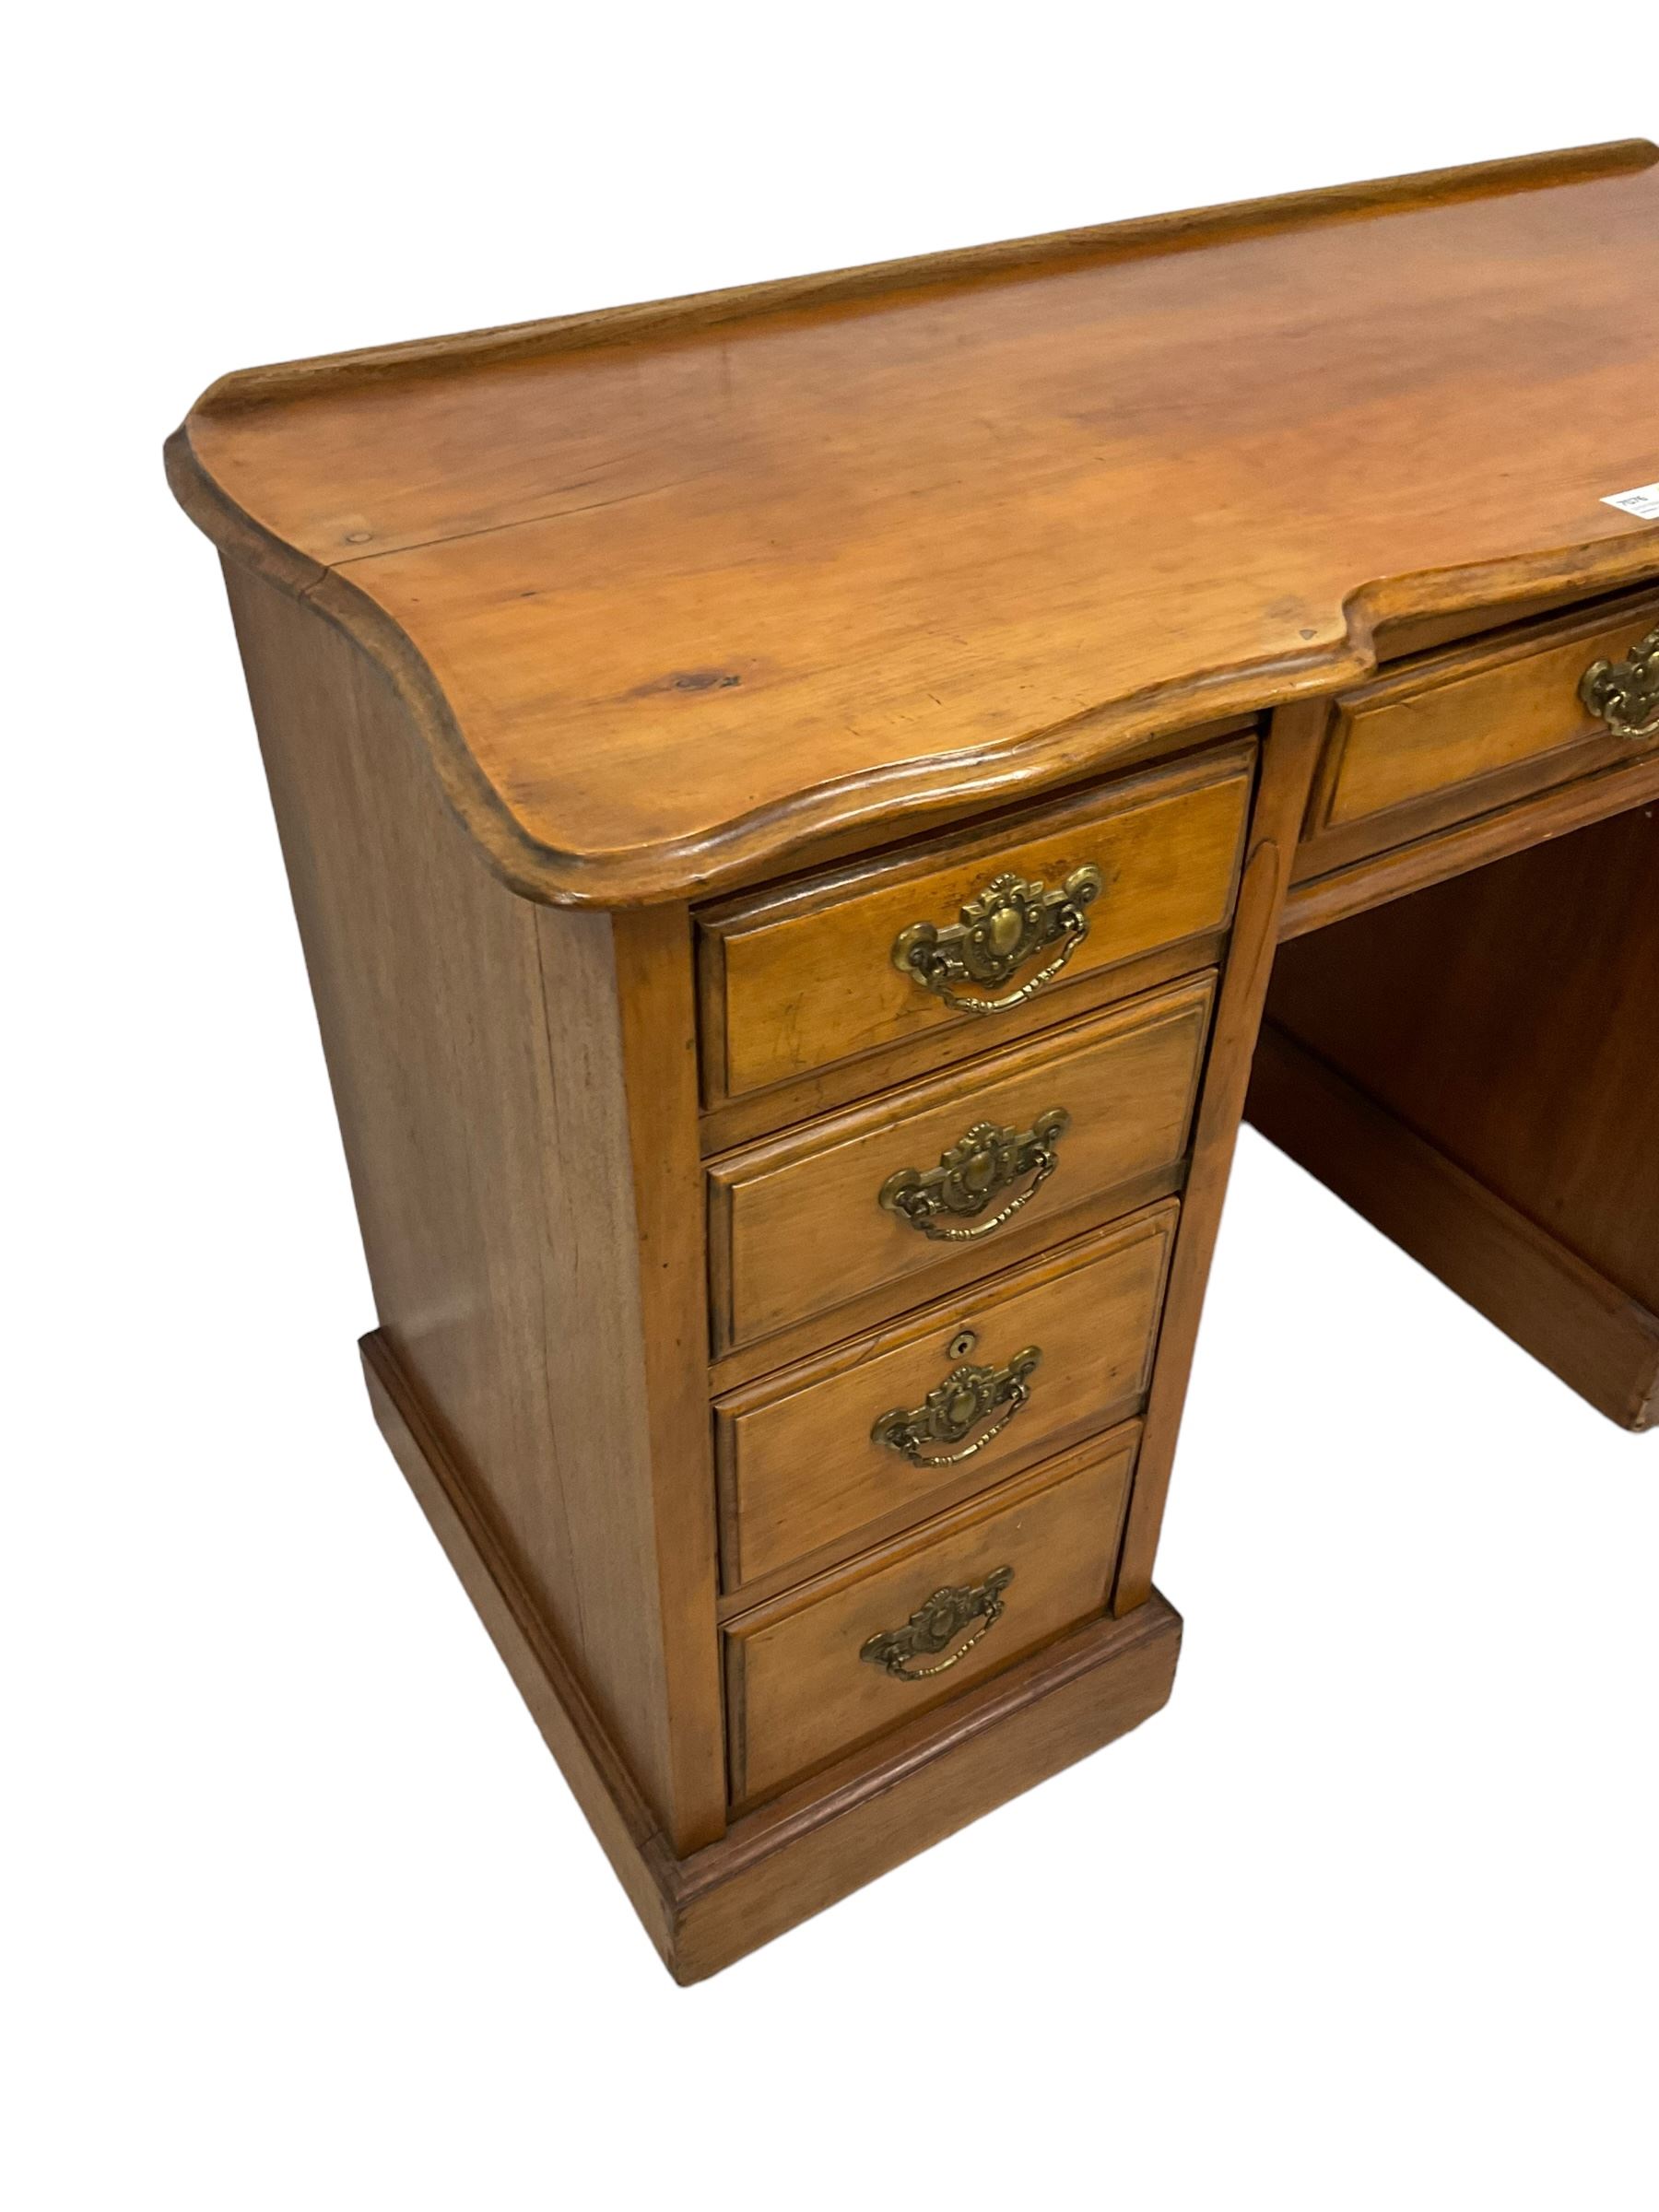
x=1643 y=501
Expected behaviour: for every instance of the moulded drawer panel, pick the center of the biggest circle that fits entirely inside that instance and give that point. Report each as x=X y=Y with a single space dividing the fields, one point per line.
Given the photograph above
x=793 y=981
x=1001 y=1379
x=1473 y=726
x=1021 y=1569
x=797 y=1225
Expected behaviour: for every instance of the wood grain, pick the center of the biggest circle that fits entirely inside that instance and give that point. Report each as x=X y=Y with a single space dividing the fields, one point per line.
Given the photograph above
x=518 y=1251
x=656 y=1037
x=1400 y=640
x=627 y=683
x=1598 y=1339
x=799 y=1692
x=791 y=1858
x=571 y=1728
x=1443 y=729
x=1510 y=1017
x=1295 y=741
x=799 y=1469
x=739 y=1122
x=794 y=980
x=796 y=1228
x=1422 y=861
x=1017 y=257
x=891 y=1304
x=674 y=600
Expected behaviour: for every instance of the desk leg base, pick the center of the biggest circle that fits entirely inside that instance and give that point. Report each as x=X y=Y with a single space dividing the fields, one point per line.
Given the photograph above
x=787 y=1861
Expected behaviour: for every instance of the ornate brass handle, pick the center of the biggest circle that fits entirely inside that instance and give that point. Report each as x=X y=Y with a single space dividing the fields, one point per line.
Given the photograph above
x=932 y=1627
x=1625 y=694
x=971 y=1173
x=996 y=933
x=967 y=1396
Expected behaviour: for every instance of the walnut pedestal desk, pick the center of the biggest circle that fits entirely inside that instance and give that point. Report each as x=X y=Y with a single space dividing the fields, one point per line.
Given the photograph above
x=815 y=811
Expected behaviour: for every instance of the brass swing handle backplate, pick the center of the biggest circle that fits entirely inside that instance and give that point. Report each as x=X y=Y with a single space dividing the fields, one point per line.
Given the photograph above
x=1005 y=925
x=967 y=1396
x=976 y=1169
x=936 y=1624
x=1625 y=694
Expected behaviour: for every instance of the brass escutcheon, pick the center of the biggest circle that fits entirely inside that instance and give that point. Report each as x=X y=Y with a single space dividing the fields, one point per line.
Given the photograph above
x=1625 y=694
x=995 y=933
x=967 y=1396
x=971 y=1173
x=931 y=1627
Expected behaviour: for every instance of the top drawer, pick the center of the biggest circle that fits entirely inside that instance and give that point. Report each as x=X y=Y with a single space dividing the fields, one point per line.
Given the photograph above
x=1477 y=725
x=968 y=927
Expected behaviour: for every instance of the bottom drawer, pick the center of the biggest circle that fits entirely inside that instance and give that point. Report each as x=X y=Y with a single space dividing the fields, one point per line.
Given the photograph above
x=833 y=1665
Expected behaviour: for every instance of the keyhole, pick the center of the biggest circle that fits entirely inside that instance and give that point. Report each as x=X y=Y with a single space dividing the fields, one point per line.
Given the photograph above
x=961 y=1345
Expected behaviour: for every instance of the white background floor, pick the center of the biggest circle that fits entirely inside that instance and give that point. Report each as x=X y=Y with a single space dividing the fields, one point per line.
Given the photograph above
x=300 y=1913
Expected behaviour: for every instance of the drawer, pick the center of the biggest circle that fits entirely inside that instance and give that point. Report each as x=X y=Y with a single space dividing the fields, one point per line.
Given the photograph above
x=944 y=1169
x=849 y=1657
x=1461 y=730
x=954 y=933
x=971 y=1393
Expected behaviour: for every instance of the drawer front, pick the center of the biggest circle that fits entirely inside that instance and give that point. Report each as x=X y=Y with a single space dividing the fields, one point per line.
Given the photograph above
x=841 y=1661
x=794 y=981
x=800 y=1225
x=1510 y=710
x=979 y=1390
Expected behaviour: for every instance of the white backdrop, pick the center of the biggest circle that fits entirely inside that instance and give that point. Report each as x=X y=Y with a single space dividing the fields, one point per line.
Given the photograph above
x=302 y=1913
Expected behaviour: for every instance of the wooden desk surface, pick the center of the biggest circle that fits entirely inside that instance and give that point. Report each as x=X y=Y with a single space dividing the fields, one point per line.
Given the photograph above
x=689 y=594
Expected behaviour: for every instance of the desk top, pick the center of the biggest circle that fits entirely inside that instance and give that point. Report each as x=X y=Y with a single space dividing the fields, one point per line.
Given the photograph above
x=690 y=594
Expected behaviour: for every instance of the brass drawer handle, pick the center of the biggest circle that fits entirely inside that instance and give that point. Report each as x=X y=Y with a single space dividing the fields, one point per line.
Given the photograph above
x=998 y=932
x=1625 y=694
x=967 y=1396
x=932 y=1627
x=971 y=1173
